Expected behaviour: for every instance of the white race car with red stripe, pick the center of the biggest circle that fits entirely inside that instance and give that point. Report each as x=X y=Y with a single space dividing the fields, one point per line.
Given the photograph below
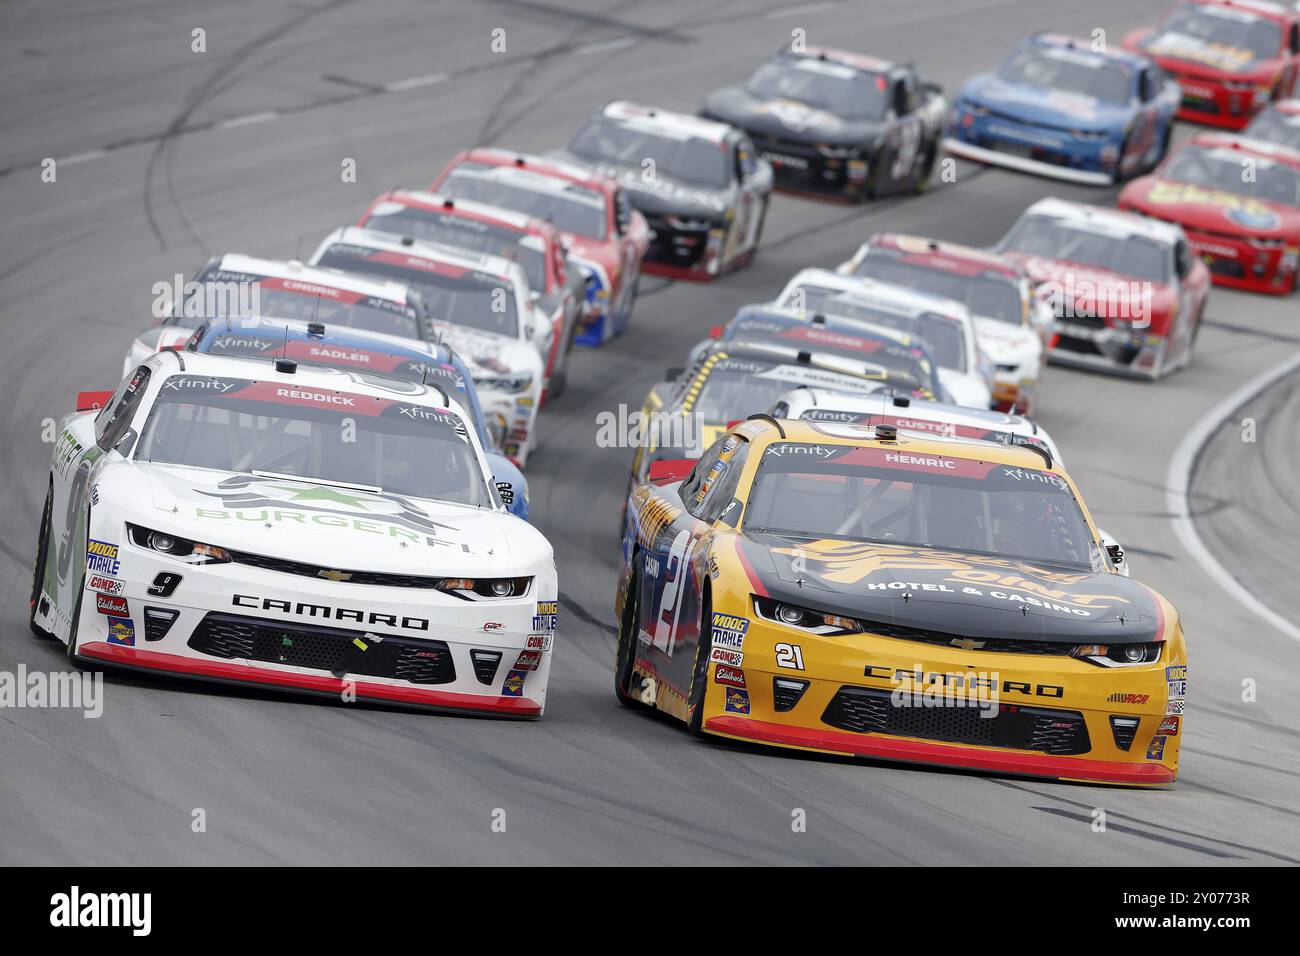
x=259 y=522
x=239 y=286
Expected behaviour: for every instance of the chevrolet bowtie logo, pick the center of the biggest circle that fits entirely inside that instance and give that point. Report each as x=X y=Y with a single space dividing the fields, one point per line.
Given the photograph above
x=335 y=575
x=966 y=644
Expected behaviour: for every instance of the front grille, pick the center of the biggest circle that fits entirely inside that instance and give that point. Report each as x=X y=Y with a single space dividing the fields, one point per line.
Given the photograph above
x=374 y=578
x=866 y=710
x=665 y=248
x=326 y=649
x=945 y=638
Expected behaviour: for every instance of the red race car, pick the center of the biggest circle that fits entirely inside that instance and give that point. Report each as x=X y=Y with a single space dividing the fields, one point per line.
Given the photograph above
x=1231 y=57
x=557 y=288
x=1127 y=291
x=604 y=235
x=1238 y=200
x=1280 y=124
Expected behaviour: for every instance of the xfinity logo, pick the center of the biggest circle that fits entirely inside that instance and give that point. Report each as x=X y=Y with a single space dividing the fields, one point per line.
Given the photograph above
x=301 y=609
x=74 y=909
x=179 y=382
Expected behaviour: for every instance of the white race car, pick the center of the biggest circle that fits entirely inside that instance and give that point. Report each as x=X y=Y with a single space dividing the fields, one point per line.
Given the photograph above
x=329 y=532
x=928 y=418
x=239 y=286
x=480 y=306
x=1013 y=324
x=944 y=324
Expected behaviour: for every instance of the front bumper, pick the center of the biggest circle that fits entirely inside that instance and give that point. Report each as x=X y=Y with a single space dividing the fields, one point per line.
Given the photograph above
x=1053 y=717
x=237 y=623
x=1050 y=162
x=1239 y=263
x=1134 y=353
x=801 y=168
x=682 y=253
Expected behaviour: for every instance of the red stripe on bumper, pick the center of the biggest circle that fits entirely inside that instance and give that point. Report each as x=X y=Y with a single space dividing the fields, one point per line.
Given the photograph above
x=892 y=748
x=314 y=683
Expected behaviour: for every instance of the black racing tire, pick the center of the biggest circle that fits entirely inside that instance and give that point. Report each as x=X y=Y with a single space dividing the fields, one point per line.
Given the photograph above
x=871 y=188
x=700 y=669
x=625 y=641
x=922 y=183
x=38 y=570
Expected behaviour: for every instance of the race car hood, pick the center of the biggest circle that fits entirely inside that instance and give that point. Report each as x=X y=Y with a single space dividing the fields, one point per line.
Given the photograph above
x=1194 y=57
x=1038 y=106
x=1006 y=344
x=952 y=592
x=489 y=353
x=664 y=194
x=1214 y=210
x=1097 y=291
x=791 y=119
x=321 y=524
x=965 y=389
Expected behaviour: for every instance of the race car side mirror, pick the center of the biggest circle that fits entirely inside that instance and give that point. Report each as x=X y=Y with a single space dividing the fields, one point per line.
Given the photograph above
x=670 y=469
x=91 y=401
x=715 y=332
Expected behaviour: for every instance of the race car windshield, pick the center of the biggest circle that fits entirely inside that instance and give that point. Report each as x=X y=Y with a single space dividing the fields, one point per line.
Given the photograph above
x=1230 y=39
x=992 y=296
x=1054 y=238
x=573 y=209
x=688 y=159
x=452 y=294
x=465 y=233
x=944 y=337
x=240 y=425
x=892 y=497
x=734 y=390
x=1067 y=72
x=331 y=306
x=1222 y=170
x=822 y=85
x=1276 y=127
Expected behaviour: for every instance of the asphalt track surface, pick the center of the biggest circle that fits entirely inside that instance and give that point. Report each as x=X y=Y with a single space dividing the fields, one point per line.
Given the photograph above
x=169 y=156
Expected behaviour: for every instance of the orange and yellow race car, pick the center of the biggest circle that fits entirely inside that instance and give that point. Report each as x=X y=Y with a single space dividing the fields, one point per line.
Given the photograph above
x=859 y=590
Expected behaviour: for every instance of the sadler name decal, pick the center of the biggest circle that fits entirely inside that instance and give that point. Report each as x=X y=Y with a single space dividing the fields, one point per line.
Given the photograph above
x=849 y=563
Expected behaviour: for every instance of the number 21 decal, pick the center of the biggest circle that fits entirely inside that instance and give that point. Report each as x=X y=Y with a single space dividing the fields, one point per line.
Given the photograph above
x=789 y=655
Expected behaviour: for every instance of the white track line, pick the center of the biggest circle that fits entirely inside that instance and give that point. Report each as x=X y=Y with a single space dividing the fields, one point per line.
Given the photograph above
x=1179 y=480
x=414 y=82
x=248 y=119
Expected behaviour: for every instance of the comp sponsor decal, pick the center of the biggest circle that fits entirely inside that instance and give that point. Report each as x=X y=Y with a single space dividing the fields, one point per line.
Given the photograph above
x=540 y=642
x=729 y=631
x=546 y=616
x=104 y=584
x=102 y=558
x=721 y=655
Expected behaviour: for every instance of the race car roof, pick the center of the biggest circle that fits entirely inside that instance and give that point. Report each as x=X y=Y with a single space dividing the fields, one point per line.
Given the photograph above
x=344 y=336
x=799 y=354
x=861 y=62
x=1276 y=151
x=814 y=397
x=1101 y=219
x=295 y=271
x=450 y=205
x=937 y=250
x=749 y=323
x=968 y=449
x=509 y=161
x=306 y=376
x=1085 y=50
x=435 y=252
x=1265 y=8
x=882 y=295
x=666 y=122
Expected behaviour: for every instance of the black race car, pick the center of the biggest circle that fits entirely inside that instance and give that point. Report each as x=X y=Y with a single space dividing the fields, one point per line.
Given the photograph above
x=838 y=124
x=699 y=184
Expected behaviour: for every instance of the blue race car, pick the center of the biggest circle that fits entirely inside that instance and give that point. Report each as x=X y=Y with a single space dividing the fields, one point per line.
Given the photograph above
x=1059 y=107
x=358 y=350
